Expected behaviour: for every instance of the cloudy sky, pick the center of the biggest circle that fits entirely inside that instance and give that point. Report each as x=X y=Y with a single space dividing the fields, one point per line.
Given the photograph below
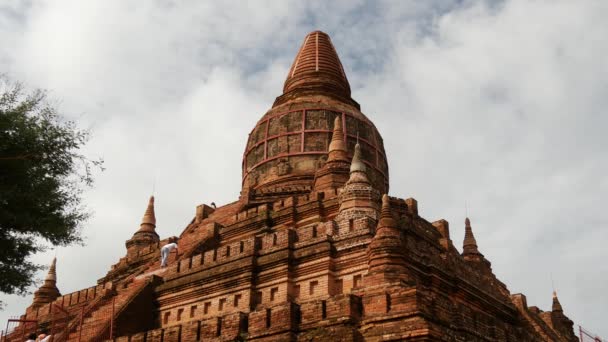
x=499 y=104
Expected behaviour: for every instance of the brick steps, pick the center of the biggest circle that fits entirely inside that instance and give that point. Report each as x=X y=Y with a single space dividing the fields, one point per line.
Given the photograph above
x=97 y=322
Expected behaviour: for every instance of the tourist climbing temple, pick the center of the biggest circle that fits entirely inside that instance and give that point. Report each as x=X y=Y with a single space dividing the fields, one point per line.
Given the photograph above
x=314 y=249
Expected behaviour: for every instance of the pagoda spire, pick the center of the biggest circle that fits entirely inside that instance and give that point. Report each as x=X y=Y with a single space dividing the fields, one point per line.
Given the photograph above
x=51 y=275
x=560 y=322
x=317 y=70
x=48 y=292
x=337 y=146
x=146 y=235
x=148 y=222
x=334 y=173
x=469 y=246
x=385 y=255
x=358 y=170
x=358 y=193
x=557 y=306
x=387 y=224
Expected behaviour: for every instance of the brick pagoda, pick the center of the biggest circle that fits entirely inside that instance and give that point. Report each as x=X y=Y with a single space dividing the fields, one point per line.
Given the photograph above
x=313 y=249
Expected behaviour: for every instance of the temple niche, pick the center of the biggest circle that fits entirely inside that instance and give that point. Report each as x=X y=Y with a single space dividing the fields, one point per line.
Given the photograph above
x=314 y=248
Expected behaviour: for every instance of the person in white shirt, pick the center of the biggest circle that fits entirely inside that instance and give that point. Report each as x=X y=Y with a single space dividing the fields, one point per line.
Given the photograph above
x=164 y=253
x=31 y=338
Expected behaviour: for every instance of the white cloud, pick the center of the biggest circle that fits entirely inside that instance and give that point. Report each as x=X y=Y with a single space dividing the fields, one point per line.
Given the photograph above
x=499 y=104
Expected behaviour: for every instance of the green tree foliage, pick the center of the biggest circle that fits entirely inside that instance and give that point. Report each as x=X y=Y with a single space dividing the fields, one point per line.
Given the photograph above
x=42 y=176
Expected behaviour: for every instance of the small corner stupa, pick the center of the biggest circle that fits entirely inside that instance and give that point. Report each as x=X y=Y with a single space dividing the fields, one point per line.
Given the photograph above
x=48 y=292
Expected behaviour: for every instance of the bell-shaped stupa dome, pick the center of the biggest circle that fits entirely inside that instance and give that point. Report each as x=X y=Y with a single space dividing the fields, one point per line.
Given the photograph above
x=292 y=139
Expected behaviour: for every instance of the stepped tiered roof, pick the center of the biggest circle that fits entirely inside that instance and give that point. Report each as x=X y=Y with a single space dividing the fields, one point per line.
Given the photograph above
x=314 y=249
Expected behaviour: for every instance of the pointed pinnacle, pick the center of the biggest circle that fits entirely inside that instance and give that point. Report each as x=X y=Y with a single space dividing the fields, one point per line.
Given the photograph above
x=557 y=306
x=148 y=222
x=357 y=164
x=52 y=273
x=337 y=146
x=386 y=207
x=469 y=243
x=149 y=216
x=48 y=291
x=386 y=217
x=358 y=170
x=337 y=138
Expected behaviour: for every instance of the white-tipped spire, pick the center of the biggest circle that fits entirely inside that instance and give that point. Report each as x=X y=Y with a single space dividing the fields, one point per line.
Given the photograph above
x=358 y=170
x=52 y=273
x=357 y=164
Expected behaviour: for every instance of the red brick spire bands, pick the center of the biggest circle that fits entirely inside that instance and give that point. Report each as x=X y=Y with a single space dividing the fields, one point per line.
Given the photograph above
x=337 y=146
x=385 y=252
x=469 y=245
x=317 y=67
x=335 y=172
x=148 y=222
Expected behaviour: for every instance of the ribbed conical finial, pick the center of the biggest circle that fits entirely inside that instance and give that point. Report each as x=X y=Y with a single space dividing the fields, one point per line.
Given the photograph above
x=337 y=138
x=469 y=245
x=148 y=222
x=149 y=216
x=317 y=66
x=337 y=146
x=52 y=273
